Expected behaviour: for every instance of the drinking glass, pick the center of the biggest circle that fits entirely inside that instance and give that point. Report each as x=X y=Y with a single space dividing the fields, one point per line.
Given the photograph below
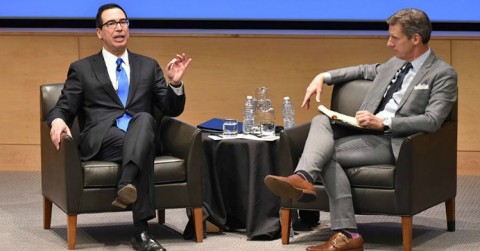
x=267 y=122
x=230 y=127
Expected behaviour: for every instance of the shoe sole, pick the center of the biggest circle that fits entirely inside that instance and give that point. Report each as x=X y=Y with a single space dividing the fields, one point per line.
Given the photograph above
x=286 y=190
x=125 y=196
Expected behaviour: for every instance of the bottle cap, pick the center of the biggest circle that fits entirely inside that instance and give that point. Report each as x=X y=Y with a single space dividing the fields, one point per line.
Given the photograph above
x=249 y=97
x=286 y=98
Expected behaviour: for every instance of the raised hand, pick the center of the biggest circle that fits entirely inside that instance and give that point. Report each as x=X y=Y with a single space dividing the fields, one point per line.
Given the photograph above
x=176 y=68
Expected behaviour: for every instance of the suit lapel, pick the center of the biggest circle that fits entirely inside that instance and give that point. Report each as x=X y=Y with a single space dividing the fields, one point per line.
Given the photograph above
x=389 y=76
x=381 y=82
x=100 y=70
x=424 y=69
x=135 y=68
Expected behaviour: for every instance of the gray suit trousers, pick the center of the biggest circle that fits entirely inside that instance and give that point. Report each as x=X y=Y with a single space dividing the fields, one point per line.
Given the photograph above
x=328 y=150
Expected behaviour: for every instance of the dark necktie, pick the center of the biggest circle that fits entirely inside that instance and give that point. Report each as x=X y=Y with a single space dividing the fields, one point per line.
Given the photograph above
x=395 y=85
x=122 y=80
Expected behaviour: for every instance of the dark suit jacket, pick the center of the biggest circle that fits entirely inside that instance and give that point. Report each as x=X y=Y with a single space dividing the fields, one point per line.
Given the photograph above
x=426 y=103
x=89 y=94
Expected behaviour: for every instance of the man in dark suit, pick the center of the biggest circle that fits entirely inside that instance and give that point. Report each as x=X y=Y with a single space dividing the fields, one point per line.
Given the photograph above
x=412 y=92
x=114 y=93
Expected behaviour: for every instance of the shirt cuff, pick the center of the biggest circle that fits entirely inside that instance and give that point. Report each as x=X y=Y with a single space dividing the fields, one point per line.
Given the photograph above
x=387 y=122
x=327 y=77
x=179 y=89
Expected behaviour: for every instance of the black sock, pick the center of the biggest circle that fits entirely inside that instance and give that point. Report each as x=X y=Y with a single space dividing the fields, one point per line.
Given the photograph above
x=129 y=171
x=305 y=175
x=140 y=226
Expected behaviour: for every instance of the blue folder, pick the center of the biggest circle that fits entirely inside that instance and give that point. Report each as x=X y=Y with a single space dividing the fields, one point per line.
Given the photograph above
x=216 y=125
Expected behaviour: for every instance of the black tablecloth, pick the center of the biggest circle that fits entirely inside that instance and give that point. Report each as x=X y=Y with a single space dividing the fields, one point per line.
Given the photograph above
x=235 y=197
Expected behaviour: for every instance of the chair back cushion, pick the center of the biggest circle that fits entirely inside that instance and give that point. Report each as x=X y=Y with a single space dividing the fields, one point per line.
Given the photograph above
x=49 y=94
x=453 y=116
x=342 y=99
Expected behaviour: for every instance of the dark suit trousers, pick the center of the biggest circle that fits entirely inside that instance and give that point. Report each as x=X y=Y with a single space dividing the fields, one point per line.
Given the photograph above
x=135 y=148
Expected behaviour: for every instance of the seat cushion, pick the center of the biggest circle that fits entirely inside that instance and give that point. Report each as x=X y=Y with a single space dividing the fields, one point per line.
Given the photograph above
x=375 y=176
x=167 y=169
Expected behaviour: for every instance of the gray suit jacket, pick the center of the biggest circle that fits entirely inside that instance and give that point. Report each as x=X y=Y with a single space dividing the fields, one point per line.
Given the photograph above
x=426 y=103
x=88 y=92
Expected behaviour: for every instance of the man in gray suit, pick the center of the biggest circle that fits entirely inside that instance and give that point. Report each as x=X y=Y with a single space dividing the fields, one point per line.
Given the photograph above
x=114 y=93
x=412 y=92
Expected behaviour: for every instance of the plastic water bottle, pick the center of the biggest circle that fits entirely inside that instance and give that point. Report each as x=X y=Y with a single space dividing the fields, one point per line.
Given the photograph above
x=249 y=116
x=288 y=113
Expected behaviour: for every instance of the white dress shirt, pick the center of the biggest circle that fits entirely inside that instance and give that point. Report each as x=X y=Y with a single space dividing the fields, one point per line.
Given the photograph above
x=111 y=63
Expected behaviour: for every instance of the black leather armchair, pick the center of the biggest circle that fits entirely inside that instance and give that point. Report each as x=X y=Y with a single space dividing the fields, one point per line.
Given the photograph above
x=424 y=175
x=88 y=187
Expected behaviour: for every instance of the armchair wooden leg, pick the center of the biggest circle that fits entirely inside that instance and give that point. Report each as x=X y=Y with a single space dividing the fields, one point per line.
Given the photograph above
x=71 y=231
x=161 y=216
x=47 y=213
x=286 y=221
x=407 y=232
x=450 y=209
x=198 y=221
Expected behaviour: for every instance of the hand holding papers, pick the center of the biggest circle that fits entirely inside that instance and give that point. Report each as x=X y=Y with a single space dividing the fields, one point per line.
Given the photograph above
x=338 y=116
x=345 y=120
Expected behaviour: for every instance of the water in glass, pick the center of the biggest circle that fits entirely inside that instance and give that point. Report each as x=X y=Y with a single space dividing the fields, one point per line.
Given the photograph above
x=230 y=127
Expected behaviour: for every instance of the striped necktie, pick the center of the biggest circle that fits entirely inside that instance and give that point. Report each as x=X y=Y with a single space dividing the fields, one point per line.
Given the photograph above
x=395 y=85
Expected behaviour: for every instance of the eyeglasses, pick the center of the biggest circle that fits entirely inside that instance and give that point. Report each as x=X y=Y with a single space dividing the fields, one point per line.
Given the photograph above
x=112 y=24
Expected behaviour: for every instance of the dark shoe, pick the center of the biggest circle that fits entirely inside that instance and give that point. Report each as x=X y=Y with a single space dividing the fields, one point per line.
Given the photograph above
x=127 y=194
x=145 y=242
x=339 y=242
x=292 y=187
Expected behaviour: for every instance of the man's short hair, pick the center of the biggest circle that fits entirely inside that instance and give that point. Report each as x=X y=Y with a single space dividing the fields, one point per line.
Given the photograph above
x=412 y=21
x=101 y=9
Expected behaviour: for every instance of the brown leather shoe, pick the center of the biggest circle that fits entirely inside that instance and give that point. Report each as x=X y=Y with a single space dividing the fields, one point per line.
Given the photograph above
x=292 y=187
x=339 y=242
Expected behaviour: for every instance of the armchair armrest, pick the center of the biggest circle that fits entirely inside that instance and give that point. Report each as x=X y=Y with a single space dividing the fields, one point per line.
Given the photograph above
x=426 y=172
x=184 y=141
x=61 y=171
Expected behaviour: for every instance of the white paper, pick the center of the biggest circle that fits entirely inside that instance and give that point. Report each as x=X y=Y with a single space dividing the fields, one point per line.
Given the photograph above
x=244 y=136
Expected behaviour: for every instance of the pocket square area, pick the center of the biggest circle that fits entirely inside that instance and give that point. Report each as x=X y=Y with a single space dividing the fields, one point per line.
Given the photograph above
x=421 y=87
